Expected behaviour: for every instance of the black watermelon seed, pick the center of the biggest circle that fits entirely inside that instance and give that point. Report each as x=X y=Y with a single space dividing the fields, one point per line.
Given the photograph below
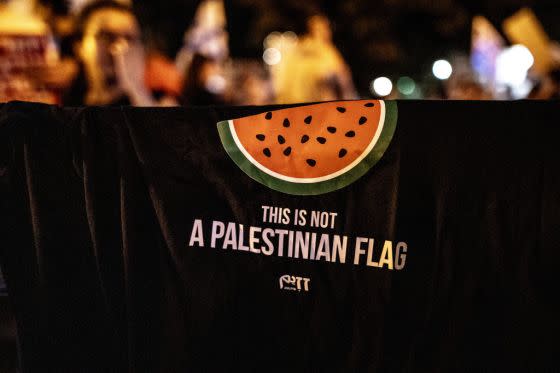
x=362 y=120
x=304 y=139
x=369 y=104
x=281 y=139
x=286 y=123
x=342 y=153
x=311 y=162
x=341 y=109
x=308 y=119
x=268 y=115
x=288 y=150
x=321 y=140
x=350 y=134
x=331 y=129
x=260 y=137
x=266 y=152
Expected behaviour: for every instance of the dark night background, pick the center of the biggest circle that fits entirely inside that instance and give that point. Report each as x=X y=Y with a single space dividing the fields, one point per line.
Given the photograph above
x=390 y=37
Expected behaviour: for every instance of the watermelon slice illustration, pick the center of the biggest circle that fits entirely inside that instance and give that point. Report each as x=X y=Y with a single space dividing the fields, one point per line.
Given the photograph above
x=311 y=149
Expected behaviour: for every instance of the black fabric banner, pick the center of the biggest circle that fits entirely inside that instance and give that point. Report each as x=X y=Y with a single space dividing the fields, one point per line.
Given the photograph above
x=130 y=240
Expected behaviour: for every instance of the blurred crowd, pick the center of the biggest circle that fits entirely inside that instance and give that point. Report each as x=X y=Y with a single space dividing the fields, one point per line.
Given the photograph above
x=97 y=56
x=102 y=60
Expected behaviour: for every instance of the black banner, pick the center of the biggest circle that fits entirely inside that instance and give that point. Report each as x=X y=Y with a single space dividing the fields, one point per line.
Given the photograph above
x=132 y=240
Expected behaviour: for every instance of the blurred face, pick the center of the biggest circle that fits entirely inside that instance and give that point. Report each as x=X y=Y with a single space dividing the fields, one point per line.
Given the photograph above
x=107 y=33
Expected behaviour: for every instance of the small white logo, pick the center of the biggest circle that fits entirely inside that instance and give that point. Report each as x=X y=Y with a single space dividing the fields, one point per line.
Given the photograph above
x=289 y=282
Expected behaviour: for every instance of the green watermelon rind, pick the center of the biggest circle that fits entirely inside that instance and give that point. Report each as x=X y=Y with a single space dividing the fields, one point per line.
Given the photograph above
x=320 y=187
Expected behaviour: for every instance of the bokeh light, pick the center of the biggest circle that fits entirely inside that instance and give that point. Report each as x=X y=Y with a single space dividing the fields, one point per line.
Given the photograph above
x=289 y=38
x=272 y=40
x=272 y=56
x=442 y=69
x=382 y=86
x=406 y=85
x=512 y=65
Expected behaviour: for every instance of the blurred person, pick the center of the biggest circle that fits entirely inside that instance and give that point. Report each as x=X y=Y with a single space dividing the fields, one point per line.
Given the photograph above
x=251 y=84
x=328 y=89
x=205 y=83
x=163 y=79
x=27 y=53
x=111 y=58
x=314 y=70
x=207 y=36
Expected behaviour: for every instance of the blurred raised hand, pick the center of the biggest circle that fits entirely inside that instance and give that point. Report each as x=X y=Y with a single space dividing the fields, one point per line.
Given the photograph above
x=130 y=64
